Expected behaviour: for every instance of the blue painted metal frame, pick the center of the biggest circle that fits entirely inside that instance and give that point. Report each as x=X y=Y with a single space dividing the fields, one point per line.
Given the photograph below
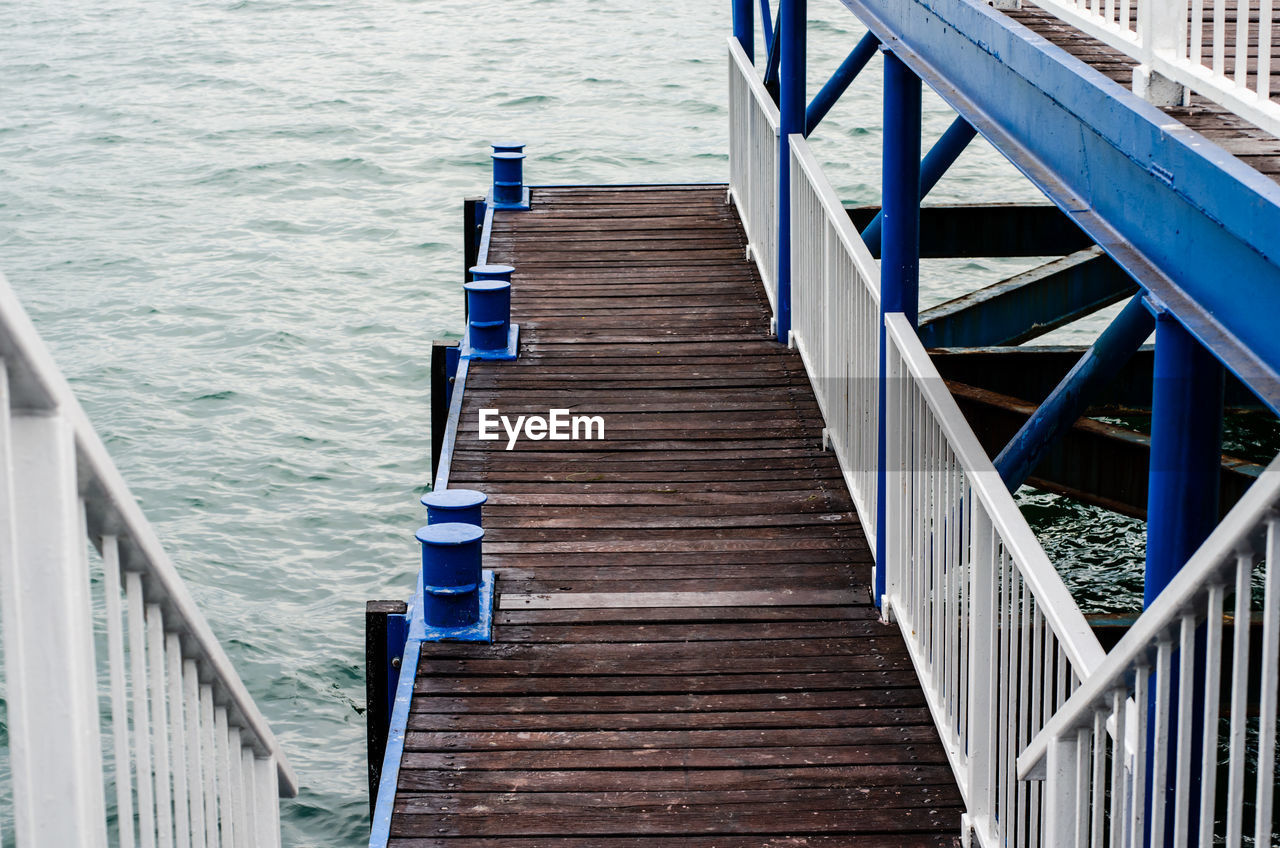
x=941 y=156
x=792 y=17
x=858 y=57
x=900 y=251
x=1067 y=402
x=766 y=22
x=1173 y=209
x=744 y=27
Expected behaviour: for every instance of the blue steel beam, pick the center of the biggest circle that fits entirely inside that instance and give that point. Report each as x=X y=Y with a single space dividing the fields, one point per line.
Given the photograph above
x=944 y=153
x=1120 y=340
x=792 y=23
x=771 y=61
x=744 y=28
x=840 y=81
x=766 y=21
x=1177 y=212
x=1028 y=305
x=900 y=254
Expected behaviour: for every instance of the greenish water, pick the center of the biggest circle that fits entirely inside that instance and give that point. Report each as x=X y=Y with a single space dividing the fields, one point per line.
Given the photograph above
x=237 y=225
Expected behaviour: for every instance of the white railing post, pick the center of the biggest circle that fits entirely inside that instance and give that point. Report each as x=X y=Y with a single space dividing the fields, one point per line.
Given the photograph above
x=984 y=689
x=1162 y=28
x=50 y=677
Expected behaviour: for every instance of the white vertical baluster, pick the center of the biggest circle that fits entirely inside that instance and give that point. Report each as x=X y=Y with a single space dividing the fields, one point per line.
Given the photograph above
x=268 y=816
x=51 y=676
x=1098 y=771
x=1142 y=703
x=234 y=766
x=119 y=696
x=1267 y=701
x=141 y=719
x=250 y=791
x=1220 y=36
x=1197 y=32
x=159 y=725
x=1264 y=49
x=209 y=759
x=1186 y=679
x=1242 y=46
x=195 y=762
x=178 y=749
x=1119 y=703
x=1212 y=683
x=984 y=691
x=226 y=789
x=1160 y=765
x=1239 y=700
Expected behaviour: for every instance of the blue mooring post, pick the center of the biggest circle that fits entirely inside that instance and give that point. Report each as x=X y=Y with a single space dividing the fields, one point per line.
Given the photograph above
x=840 y=81
x=491 y=272
x=792 y=21
x=900 y=252
x=490 y=333
x=454 y=506
x=944 y=153
x=1069 y=399
x=744 y=27
x=450 y=575
x=509 y=190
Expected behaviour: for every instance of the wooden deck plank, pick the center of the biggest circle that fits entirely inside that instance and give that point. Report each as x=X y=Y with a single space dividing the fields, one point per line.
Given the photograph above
x=684 y=649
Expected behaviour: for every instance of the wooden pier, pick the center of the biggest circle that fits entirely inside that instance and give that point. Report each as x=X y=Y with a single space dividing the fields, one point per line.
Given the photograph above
x=684 y=649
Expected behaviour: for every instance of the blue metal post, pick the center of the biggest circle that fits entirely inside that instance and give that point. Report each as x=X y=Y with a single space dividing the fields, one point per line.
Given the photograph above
x=1182 y=499
x=766 y=21
x=792 y=21
x=840 y=81
x=944 y=153
x=1070 y=397
x=1186 y=452
x=450 y=574
x=454 y=506
x=771 y=58
x=744 y=27
x=900 y=254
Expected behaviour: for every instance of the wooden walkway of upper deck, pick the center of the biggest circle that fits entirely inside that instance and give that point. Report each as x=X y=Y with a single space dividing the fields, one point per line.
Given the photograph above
x=761 y=703
x=1255 y=147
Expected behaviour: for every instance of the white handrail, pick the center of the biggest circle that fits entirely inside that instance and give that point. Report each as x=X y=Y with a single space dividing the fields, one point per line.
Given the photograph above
x=753 y=163
x=1169 y=38
x=996 y=639
x=835 y=319
x=187 y=738
x=1144 y=680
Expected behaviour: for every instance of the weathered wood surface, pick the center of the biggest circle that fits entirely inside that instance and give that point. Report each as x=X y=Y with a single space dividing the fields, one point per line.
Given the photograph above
x=780 y=711
x=1252 y=145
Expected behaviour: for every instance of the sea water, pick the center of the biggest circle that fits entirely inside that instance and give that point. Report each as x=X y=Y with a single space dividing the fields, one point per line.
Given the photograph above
x=238 y=225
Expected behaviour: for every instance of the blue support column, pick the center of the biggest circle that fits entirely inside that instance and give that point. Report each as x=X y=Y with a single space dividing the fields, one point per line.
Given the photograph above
x=900 y=253
x=792 y=17
x=744 y=27
x=771 y=58
x=1122 y=337
x=1182 y=502
x=766 y=21
x=840 y=81
x=944 y=153
x=1186 y=452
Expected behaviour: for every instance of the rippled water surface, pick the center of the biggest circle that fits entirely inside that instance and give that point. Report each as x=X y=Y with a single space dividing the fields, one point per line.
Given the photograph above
x=237 y=225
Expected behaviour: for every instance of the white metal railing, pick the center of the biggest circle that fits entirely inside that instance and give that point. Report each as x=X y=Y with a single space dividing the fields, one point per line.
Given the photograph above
x=1166 y=675
x=835 y=320
x=996 y=639
x=157 y=743
x=753 y=163
x=1219 y=48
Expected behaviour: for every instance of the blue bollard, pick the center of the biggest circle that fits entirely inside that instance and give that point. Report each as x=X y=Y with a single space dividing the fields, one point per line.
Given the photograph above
x=508 y=147
x=454 y=506
x=508 y=179
x=491 y=272
x=451 y=575
x=489 y=314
